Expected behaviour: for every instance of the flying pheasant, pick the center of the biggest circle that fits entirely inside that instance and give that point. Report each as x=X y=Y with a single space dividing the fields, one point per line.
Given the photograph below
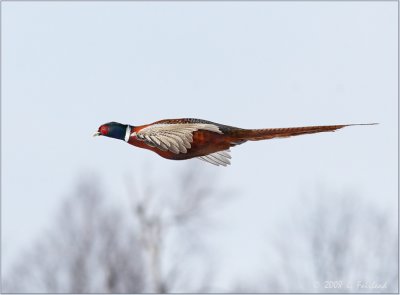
x=182 y=139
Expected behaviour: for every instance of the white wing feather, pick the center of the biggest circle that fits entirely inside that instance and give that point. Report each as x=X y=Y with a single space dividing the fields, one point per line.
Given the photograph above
x=218 y=158
x=176 y=138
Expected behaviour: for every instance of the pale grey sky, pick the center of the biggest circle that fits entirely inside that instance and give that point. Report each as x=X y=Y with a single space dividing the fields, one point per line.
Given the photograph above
x=69 y=67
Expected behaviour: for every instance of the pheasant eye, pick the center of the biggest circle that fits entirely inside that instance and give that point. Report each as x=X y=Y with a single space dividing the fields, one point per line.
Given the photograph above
x=104 y=130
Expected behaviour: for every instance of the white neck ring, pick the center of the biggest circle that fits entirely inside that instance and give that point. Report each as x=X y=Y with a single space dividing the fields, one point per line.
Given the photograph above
x=127 y=133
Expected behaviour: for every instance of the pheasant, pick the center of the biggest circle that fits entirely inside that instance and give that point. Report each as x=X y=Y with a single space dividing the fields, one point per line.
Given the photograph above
x=182 y=139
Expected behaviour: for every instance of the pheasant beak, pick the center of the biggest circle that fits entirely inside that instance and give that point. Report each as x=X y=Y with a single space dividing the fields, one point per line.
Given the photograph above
x=96 y=134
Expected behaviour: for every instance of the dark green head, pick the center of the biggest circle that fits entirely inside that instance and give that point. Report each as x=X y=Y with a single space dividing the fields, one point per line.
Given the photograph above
x=113 y=129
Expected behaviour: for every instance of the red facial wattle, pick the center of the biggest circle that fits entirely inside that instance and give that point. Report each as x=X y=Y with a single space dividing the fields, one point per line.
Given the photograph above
x=104 y=130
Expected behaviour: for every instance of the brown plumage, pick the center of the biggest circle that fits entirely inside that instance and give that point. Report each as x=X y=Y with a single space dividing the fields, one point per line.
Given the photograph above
x=181 y=139
x=269 y=133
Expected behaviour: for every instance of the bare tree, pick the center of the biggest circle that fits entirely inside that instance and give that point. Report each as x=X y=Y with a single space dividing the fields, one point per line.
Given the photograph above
x=170 y=224
x=336 y=243
x=90 y=248
x=151 y=247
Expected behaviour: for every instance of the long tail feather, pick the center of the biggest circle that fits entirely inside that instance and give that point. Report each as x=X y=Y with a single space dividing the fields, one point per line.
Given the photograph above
x=261 y=134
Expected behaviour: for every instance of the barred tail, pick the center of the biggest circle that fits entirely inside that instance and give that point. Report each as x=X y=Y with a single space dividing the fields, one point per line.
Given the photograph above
x=261 y=134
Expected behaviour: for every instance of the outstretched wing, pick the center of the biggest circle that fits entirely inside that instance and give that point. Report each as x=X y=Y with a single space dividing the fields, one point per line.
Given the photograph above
x=218 y=158
x=176 y=138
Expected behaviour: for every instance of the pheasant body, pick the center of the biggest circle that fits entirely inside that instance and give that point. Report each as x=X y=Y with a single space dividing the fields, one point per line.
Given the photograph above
x=182 y=139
